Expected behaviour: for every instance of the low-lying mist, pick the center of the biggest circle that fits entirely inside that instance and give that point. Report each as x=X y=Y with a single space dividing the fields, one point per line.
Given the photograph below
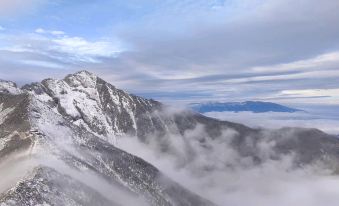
x=215 y=170
x=13 y=168
x=21 y=165
x=114 y=193
x=327 y=123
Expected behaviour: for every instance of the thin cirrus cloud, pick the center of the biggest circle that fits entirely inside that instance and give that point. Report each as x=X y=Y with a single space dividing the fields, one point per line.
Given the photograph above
x=183 y=50
x=50 y=53
x=330 y=95
x=329 y=60
x=83 y=49
x=43 y=31
x=56 y=45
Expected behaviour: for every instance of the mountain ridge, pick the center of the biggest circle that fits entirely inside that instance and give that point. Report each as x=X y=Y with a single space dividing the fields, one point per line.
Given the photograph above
x=77 y=121
x=249 y=106
x=49 y=130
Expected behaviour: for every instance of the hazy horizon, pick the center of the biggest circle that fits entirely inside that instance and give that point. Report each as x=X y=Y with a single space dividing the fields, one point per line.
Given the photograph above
x=184 y=51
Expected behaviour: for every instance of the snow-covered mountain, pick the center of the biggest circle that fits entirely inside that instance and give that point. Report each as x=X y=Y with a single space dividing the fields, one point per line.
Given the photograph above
x=248 y=106
x=61 y=137
x=63 y=129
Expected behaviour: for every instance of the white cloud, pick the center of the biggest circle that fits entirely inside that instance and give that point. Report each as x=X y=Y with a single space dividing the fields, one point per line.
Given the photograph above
x=214 y=169
x=318 y=74
x=53 y=32
x=276 y=120
x=320 y=67
x=57 y=47
x=44 y=64
x=57 y=32
x=312 y=92
x=84 y=49
x=323 y=96
x=323 y=60
x=206 y=46
x=40 y=31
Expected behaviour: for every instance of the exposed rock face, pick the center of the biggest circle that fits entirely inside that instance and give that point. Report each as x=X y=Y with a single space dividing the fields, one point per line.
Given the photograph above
x=97 y=106
x=14 y=123
x=74 y=122
x=9 y=87
x=70 y=122
x=45 y=186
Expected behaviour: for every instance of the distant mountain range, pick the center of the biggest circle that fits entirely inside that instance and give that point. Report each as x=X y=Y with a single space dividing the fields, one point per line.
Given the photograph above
x=249 y=106
x=60 y=144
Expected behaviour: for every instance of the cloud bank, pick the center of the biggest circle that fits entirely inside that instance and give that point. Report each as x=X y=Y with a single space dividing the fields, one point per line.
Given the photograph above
x=216 y=171
x=183 y=50
x=275 y=120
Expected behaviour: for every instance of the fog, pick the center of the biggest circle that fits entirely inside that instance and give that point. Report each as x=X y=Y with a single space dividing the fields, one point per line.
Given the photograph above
x=217 y=172
x=19 y=166
x=113 y=193
x=210 y=167
x=327 y=123
x=13 y=168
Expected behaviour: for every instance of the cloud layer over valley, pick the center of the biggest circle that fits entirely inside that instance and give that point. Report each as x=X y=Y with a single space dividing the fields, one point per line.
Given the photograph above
x=215 y=170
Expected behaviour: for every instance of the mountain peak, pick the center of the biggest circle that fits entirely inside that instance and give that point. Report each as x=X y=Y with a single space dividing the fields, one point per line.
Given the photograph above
x=82 y=78
x=9 y=87
x=83 y=73
x=73 y=125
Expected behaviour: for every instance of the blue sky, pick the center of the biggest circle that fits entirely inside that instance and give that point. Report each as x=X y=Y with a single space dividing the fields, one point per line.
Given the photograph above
x=183 y=51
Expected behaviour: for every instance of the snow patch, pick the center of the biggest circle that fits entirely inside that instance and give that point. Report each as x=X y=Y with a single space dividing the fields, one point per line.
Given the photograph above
x=9 y=87
x=4 y=113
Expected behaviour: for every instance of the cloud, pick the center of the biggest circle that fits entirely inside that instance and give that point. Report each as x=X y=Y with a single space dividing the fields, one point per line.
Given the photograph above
x=49 y=53
x=44 y=64
x=43 y=31
x=53 y=50
x=312 y=92
x=216 y=169
x=83 y=49
x=217 y=50
x=328 y=60
x=324 y=96
x=40 y=31
x=14 y=7
x=262 y=47
x=13 y=172
x=275 y=120
x=57 y=32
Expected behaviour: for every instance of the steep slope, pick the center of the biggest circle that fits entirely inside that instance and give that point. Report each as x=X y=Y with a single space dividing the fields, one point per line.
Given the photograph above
x=45 y=186
x=14 y=123
x=49 y=137
x=75 y=125
x=9 y=87
x=94 y=105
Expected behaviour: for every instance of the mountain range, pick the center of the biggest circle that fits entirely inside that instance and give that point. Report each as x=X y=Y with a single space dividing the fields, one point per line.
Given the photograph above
x=59 y=145
x=248 y=106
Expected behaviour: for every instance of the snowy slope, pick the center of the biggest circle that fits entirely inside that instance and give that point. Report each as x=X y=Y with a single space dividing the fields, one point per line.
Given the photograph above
x=9 y=87
x=73 y=138
x=70 y=127
x=45 y=186
x=95 y=105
